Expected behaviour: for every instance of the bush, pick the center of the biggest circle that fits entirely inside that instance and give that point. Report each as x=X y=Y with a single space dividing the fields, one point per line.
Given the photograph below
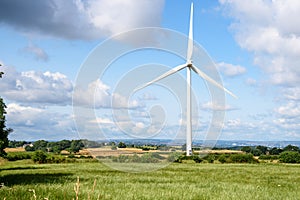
x=289 y=157
x=268 y=157
x=145 y=158
x=195 y=158
x=224 y=158
x=210 y=158
x=13 y=156
x=39 y=156
x=242 y=158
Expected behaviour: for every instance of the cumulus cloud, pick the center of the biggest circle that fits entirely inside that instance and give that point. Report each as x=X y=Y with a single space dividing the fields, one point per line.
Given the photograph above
x=32 y=123
x=36 y=87
x=291 y=94
x=97 y=95
x=80 y=19
x=231 y=70
x=290 y=110
x=268 y=30
x=48 y=88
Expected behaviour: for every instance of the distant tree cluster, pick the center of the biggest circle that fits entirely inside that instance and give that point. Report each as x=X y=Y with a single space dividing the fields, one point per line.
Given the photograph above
x=263 y=150
x=72 y=146
x=16 y=144
x=288 y=154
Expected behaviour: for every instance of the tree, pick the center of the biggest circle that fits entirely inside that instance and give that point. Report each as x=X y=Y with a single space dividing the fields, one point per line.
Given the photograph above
x=291 y=148
x=246 y=149
x=40 y=145
x=263 y=149
x=275 y=151
x=76 y=145
x=3 y=130
x=122 y=145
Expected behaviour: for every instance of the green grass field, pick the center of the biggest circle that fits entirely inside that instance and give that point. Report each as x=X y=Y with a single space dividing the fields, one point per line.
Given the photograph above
x=176 y=181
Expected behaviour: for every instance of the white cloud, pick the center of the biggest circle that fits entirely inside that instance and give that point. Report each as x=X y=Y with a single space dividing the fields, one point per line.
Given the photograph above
x=118 y=15
x=217 y=107
x=100 y=120
x=291 y=94
x=230 y=69
x=30 y=123
x=97 y=95
x=48 y=88
x=291 y=110
x=36 y=87
x=80 y=19
x=268 y=29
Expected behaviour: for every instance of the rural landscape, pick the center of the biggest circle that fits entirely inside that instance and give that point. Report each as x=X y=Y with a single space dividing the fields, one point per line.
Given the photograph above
x=68 y=170
x=140 y=99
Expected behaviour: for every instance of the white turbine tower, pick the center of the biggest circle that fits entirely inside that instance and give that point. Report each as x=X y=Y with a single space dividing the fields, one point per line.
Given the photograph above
x=189 y=66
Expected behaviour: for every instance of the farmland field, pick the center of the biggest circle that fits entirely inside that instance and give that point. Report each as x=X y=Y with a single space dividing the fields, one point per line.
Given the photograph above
x=26 y=180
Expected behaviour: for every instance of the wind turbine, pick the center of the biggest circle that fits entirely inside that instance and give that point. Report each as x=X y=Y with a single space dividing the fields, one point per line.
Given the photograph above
x=189 y=66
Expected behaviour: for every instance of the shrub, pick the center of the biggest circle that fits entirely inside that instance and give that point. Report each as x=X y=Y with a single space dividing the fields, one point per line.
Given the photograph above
x=39 y=156
x=224 y=158
x=268 y=157
x=13 y=156
x=195 y=158
x=289 y=157
x=145 y=158
x=210 y=158
x=242 y=158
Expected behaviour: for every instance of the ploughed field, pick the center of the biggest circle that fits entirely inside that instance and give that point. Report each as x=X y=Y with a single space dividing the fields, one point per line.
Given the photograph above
x=94 y=180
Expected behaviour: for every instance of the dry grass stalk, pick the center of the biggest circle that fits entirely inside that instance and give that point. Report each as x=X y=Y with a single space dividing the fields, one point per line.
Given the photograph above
x=33 y=191
x=93 y=189
x=76 y=188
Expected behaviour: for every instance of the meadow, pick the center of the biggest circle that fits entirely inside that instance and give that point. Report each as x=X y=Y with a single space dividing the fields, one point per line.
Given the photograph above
x=93 y=180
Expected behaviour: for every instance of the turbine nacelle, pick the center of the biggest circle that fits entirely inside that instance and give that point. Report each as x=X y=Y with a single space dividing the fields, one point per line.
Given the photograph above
x=189 y=63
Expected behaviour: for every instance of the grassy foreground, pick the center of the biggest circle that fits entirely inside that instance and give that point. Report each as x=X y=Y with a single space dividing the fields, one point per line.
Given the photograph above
x=25 y=180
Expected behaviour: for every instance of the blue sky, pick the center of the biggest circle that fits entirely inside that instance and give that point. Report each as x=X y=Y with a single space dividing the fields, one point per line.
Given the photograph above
x=255 y=46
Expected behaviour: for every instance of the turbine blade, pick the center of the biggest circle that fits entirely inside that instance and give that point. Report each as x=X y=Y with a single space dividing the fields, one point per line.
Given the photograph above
x=206 y=77
x=191 y=41
x=168 y=73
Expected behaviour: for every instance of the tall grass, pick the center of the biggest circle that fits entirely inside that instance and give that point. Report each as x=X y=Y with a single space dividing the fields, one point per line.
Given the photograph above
x=177 y=181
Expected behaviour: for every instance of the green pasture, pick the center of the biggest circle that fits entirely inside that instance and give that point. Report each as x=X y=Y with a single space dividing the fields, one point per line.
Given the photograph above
x=25 y=180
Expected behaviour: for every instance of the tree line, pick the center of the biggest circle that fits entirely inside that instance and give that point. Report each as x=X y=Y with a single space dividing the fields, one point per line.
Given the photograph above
x=72 y=146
